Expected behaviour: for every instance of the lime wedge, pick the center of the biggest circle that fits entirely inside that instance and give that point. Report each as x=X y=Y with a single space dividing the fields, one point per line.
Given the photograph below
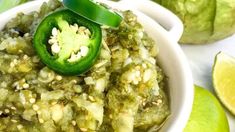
x=207 y=114
x=223 y=77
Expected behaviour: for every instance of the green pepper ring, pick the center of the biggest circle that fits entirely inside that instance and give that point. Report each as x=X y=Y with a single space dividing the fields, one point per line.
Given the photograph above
x=64 y=67
x=94 y=12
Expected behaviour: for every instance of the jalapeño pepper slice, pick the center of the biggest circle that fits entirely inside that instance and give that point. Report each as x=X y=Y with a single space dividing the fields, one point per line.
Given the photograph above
x=94 y=12
x=67 y=43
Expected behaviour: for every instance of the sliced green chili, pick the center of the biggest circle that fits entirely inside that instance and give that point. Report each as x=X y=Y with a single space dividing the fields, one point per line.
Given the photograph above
x=67 y=43
x=94 y=12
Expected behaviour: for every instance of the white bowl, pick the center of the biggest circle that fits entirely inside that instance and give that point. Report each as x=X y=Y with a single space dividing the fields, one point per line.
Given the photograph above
x=171 y=57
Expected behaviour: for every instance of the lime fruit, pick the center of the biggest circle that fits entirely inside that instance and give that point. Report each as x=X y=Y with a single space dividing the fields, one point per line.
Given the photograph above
x=207 y=114
x=223 y=77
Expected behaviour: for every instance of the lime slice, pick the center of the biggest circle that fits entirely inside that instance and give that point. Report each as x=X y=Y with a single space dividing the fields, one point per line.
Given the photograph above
x=207 y=114
x=224 y=80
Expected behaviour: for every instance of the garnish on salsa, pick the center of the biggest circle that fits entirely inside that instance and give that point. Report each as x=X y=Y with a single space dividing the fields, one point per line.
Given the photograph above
x=94 y=12
x=67 y=43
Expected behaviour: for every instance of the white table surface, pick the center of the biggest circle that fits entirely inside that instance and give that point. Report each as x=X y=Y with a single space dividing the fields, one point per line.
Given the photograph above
x=201 y=59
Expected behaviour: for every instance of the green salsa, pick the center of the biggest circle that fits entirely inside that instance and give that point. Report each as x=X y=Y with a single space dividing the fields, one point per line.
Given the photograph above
x=124 y=90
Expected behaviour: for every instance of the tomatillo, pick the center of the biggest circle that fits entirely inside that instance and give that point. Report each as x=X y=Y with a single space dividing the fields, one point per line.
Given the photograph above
x=68 y=43
x=94 y=12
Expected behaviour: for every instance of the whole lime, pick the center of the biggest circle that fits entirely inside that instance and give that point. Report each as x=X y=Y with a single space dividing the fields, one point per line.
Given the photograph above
x=207 y=114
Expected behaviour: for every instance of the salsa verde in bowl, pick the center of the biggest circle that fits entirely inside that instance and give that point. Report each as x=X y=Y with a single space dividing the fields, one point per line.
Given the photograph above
x=123 y=90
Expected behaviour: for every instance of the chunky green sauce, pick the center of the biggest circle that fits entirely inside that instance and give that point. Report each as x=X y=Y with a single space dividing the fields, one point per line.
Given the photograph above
x=122 y=92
